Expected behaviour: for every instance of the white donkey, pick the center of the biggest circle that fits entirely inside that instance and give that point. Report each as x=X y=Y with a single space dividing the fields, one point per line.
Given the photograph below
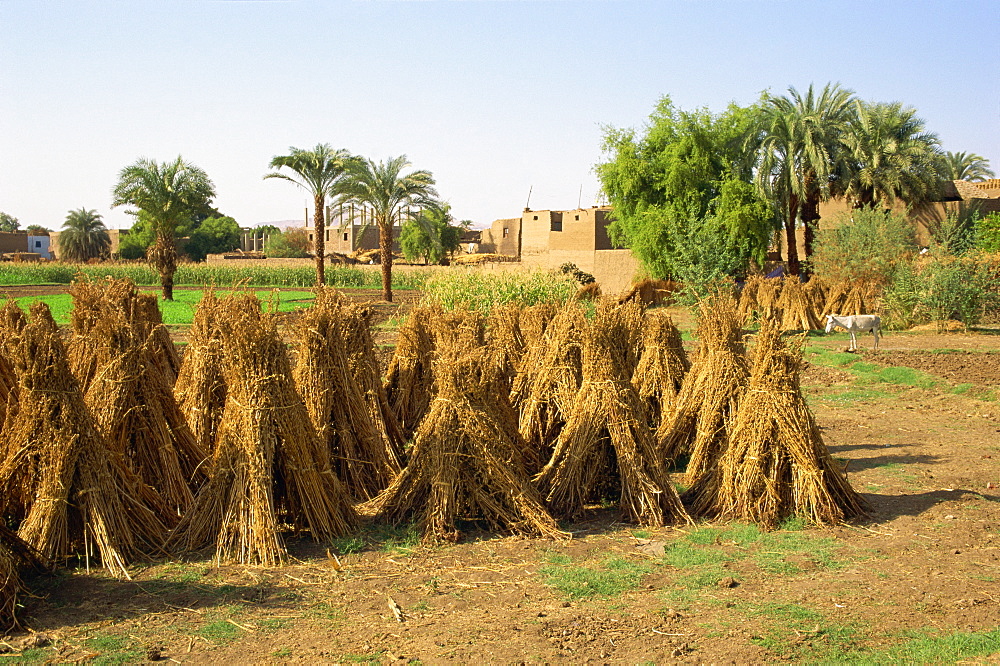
x=855 y=323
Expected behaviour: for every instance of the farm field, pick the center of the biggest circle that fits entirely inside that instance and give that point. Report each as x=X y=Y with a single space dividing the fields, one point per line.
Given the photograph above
x=917 y=424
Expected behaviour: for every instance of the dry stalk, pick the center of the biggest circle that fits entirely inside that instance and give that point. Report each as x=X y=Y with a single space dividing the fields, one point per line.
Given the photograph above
x=408 y=379
x=662 y=366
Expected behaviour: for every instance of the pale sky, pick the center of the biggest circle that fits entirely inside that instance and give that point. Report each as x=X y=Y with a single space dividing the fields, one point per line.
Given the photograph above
x=492 y=97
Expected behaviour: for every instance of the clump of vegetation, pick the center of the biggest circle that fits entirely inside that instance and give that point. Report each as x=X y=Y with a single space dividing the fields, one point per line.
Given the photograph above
x=571 y=269
x=292 y=243
x=485 y=291
x=867 y=244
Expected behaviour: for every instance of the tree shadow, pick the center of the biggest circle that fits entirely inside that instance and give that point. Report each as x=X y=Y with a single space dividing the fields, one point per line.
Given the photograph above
x=874 y=462
x=898 y=505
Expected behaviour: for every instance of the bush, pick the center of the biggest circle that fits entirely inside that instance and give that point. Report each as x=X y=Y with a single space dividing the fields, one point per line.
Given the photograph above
x=570 y=269
x=214 y=235
x=293 y=243
x=988 y=233
x=867 y=244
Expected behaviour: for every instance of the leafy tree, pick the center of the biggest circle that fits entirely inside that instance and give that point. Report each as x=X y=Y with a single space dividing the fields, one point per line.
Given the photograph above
x=266 y=229
x=165 y=196
x=388 y=192
x=800 y=152
x=214 y=235
x=8 y=222
x=290 y=243
x=684 y=182
x=320 y=171
x=964 y=166
x=431 y=236
x=889 y=156
x=83 y=237
x=37 y=230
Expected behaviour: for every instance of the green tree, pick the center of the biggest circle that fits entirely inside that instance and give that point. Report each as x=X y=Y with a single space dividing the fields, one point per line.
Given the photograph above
x=866 y=243
x=321 y=172
x=214 y=235
x=8 y=222
x=964 y=166
x=37 y=230
x=800 y=151
x=290 y=243
x=166 y=196
x=389 y=193
x=889 y=156
x=83 y=237
x=431 y=236
x=684 y=182
x=988 y=233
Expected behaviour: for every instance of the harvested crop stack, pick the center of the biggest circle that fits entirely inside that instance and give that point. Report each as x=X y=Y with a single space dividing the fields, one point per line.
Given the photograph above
x=660 y=372
x=588 y=292
x=200 y=389
x=269 y=467
x=798 y=313
x=408 y=379
x=466 y=457
x=71 y=494
x=707 y=403
x=776 y=465
x=550 y=378
x=130 y=389
x=606 y=442
x=533 y=320
x=363 y=457
x=651 y=292
x=15 y=556
x=94 y=301
x=852 y=298
x=505 y=343
x=759 y=298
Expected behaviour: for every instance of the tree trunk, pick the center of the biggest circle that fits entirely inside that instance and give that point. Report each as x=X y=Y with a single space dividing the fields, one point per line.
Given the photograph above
x=163 y=256
x=791 y=246
x=810 y=214
x=319 y=226
x=385 y=244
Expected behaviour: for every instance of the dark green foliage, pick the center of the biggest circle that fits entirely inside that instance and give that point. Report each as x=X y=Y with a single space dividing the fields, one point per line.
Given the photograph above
x=988 y=233
x=571 y=269
x=684 y=183
x=214 y=235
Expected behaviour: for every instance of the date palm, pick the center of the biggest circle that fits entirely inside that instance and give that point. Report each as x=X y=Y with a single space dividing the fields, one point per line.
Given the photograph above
x=166 y=196
x=321 y=172
x=890 y=156
x=965 y=166
x=802 y=146
x=389 y=192
x=83 y=237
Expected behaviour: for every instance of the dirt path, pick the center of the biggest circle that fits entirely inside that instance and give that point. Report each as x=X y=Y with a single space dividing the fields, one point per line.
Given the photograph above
x=925 y=564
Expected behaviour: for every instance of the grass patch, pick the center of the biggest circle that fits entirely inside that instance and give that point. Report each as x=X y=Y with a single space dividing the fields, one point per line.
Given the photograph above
x=114 y=650
x=219 y=632
x=610 y=578
x=852 y=395
x=347 y=545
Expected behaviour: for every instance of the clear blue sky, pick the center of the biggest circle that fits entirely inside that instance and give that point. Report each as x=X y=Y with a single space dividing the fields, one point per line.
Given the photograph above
x=492 y=97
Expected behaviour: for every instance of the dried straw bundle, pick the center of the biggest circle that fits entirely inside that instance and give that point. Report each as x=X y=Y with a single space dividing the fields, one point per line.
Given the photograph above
x=505 y=343
x=533 y=320
x=852 y=298
x=200 y=390
x=96 y=300
x=269 y=467
x=606 y=442
x=130 y=389
x=759 y=298
x=408 y=379
x=798 y=313
x=550 y=378
x=662 y=366
x=15 y=557
x=712 y=389
x=466 y=458
x=362 y=455
x=69 y=490
x=777 y=465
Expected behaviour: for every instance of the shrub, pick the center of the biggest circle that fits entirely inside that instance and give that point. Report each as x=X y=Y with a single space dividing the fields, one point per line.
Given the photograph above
x=291 y=243
x=867 y=244
x=988 y=233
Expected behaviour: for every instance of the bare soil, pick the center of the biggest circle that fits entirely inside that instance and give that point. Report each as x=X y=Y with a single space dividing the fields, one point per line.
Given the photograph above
x=926 y=560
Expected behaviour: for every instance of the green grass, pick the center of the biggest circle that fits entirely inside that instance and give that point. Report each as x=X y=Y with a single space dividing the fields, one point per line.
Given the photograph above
x=609 y=578
x=114 y=650
x=219 y=632
x=205 y=274
x=180 y=311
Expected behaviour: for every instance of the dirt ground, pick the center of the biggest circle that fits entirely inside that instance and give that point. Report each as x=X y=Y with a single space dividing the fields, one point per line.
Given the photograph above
x=922 y=567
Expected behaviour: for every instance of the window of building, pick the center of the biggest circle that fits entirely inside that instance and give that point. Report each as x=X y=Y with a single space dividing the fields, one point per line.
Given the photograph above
x=38 y=243
x=505 y=232
x=576 y=217
x=345 y=236
x=536 y=217
x=327 y=235
x=556 y=225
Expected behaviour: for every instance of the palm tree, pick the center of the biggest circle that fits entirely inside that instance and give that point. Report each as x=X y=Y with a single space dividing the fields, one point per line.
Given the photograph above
x=388 y=192
x=166 y=196
x=83 y=237
x=890 y=156
x=801 y=148
x=964 y=166
x=321 y=172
